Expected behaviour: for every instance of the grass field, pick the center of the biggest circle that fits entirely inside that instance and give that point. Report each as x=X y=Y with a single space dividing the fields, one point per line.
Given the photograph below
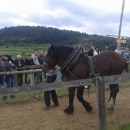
x=24 y=51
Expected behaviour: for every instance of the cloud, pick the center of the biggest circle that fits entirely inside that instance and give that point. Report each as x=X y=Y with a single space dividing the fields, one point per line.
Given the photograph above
x=95 y=17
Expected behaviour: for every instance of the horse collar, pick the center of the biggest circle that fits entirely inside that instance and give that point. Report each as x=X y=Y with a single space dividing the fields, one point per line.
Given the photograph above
x=69 y=63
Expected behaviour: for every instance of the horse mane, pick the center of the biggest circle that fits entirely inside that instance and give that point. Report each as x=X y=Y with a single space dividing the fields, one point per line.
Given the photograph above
x=59 y=51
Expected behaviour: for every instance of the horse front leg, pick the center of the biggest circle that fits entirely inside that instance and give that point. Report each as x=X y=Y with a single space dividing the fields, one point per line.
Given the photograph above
x=86 y=105
x=70 y=108
x=114 y=89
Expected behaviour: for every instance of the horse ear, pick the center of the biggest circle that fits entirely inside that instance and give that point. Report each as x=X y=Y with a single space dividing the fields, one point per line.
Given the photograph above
x=52 y=46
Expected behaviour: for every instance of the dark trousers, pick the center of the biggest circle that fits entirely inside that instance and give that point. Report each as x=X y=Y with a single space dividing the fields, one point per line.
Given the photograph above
x=127 y=68
x=2 y=80
x=20 y=79
x=53 y=94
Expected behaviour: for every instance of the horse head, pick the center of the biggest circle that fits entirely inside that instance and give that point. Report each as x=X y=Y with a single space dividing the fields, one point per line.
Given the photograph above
x=50 y=61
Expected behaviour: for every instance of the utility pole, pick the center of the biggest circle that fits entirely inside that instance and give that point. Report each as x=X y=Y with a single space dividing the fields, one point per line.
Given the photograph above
x=120 y=25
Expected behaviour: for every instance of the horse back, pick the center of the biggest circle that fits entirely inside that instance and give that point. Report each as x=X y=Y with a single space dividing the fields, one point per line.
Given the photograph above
x=109 y=63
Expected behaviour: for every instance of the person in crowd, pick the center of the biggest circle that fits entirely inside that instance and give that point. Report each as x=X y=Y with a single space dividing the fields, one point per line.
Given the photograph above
x=41 y=59
x=84 y=51
x=9 y=79
x=118 y=50
x=28 y=61
x=51 y=77
x=126 y=55
x=91 y=51
x=12 y=60
x=1 y=70
x=35 y=58
x=19 y=62
x=83 y=48
x=96 y=51
x=36 y=62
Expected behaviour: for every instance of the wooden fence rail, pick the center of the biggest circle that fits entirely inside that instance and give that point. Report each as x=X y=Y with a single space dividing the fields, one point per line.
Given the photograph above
x=98 y=81
x=57 y=85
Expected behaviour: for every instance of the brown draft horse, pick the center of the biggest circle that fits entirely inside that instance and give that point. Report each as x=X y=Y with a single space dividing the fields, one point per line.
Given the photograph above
x=107 y=63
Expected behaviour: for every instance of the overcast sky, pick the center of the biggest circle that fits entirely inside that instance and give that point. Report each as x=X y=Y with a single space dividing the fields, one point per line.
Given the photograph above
x=91 y=16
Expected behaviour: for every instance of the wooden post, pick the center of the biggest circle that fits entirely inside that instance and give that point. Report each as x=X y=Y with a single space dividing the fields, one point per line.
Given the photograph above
x=32 y=82
x=15 y=79
x=101 y=106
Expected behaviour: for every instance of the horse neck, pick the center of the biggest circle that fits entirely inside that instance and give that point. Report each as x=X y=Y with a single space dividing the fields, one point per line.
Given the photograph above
x=63 y=56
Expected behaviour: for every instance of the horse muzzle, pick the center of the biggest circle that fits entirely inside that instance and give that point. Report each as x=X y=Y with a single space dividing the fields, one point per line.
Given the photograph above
x=45 y=68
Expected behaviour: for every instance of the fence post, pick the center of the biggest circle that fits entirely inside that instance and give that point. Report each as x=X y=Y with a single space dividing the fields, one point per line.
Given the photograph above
x=15 y=78
x=32 y=82
x=101 y=106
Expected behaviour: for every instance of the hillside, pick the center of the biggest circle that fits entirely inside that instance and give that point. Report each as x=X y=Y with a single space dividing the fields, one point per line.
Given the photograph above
x=47 y=35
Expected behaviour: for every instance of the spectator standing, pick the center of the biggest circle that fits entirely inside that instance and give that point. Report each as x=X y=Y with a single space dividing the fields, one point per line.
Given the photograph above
x=12 y=60
x=126 y=55
x=96 y=51
x=36 y=62
x=91 y=51
x=28 y=61
x=51 y=77
x=9 y=79
x=118 y=50
x=41 y=59
x=1 y=76
x=19 y=62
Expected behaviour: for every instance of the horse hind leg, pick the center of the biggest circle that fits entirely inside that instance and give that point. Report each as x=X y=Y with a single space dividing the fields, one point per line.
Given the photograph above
x=86 y=105
x=114 y=89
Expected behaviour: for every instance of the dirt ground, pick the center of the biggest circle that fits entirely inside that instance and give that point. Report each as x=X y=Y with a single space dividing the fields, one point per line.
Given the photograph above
x=31 y=116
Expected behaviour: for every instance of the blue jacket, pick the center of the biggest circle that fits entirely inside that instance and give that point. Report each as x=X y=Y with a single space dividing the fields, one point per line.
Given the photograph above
x=126 y=54
x=7 y=67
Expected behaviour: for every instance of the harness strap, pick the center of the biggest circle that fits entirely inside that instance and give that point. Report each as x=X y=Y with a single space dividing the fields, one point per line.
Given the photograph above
x=70 y=62
x=70 y=59
x=72 y=75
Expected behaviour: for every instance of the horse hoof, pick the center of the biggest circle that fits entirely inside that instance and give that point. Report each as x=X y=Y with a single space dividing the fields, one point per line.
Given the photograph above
x=68 y=111
x=89 y=109
x=110 y=108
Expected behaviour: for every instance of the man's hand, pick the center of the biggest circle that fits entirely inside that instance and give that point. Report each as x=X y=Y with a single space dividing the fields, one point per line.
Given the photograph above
x=19 y=65
x=12 y=64
x=51 y=71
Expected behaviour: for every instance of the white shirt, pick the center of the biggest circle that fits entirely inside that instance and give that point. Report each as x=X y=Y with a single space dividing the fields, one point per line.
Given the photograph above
x=96 y=53
x=118 y=51
x=35 y=59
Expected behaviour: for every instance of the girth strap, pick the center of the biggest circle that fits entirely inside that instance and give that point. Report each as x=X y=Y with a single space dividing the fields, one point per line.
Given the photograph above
x=92 y=68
